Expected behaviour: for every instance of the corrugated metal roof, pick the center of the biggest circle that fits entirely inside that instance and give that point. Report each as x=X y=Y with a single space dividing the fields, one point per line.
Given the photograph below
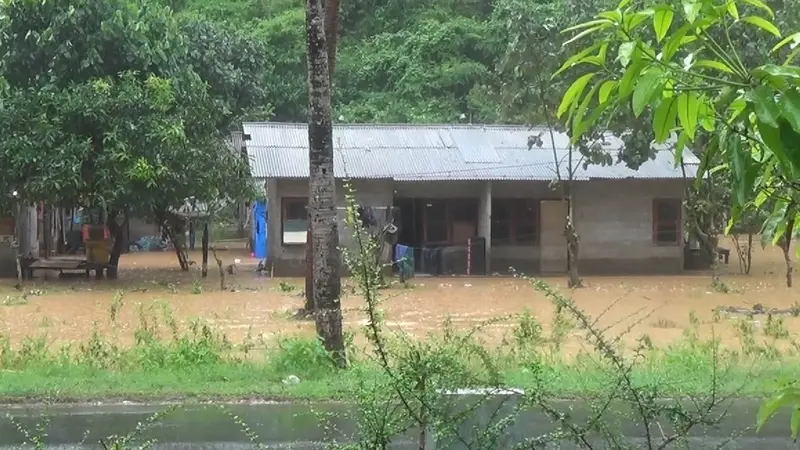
x=436 y=152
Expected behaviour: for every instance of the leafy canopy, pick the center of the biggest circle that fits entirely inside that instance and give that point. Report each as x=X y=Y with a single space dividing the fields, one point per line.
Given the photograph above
x=115 y=103
x=679 y=63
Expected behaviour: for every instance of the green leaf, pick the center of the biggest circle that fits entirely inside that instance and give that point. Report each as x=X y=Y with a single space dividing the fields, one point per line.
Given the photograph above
x=631 y=21
x=791 y=143
x=790 y=108
x=778 y=76
x=664 y=119
x=575 y=59
x=662 y=20
x=675 y=42
x=625 y=53
x=736 y=108
x=646 y=88
x=584 y=106
x=775 y=404
x=711 y=64
x=762 y=197
x=792 y=39
x=732 y=9
x=771 y=137
x=603 y=53
x=606 y=89
x=706 y=117
x=585 y=33
x=623 y=4
x=579 y=128
x=688 y=110
x=691 y=8
x=792 y=56
x=588 y=24
x=627 y=83
x=762 y=5
x=763 y=100
x=764 y=24
x=795 y=423
x=614 y=16
x=733 y=147
x=573 y=94
x=770 y=232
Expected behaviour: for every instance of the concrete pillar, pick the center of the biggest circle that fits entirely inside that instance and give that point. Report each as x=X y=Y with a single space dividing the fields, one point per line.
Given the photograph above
x=485 y=221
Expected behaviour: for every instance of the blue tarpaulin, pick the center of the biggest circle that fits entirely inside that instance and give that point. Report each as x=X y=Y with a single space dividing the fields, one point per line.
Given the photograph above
x=260 y=224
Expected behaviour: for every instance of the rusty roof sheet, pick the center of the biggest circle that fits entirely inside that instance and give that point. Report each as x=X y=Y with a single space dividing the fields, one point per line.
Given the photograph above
x=437 y=152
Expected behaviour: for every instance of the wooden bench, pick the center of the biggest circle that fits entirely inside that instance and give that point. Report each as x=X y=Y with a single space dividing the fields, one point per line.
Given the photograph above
x=62 y=264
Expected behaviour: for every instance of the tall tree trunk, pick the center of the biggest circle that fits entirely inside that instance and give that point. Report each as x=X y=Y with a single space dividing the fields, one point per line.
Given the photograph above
x=205 y=248
x=573 y=247
x=180 y=252
x=118 y=245
x=322 y=189
x=786 y=245
x=331 y=8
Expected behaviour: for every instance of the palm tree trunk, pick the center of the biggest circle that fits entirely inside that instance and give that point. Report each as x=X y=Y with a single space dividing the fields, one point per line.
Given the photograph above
x=331 y=37
x=322 y=189
x=332 y=34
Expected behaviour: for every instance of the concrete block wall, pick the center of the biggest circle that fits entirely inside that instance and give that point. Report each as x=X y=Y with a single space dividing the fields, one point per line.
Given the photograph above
x=613 y=218
x=617 y=235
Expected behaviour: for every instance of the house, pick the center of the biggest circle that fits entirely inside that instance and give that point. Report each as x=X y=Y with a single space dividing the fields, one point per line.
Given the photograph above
x=456 y=182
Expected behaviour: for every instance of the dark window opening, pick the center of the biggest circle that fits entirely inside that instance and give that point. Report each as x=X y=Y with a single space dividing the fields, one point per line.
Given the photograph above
x=667 y=221
x=437 y=229
x=515 y=221
x=294 y=221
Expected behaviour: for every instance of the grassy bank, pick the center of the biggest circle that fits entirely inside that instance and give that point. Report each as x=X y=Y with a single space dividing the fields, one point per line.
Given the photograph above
x=197 y=362
x=244 y=380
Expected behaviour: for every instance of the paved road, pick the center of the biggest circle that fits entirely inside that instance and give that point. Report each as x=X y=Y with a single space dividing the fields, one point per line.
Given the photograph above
x=297 y=426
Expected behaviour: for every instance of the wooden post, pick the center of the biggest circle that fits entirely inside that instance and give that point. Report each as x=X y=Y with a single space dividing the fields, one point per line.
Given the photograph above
x=205 y=248
x=191 y=235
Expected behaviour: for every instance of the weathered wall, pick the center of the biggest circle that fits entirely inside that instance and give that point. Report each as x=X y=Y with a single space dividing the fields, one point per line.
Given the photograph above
x=615 y=221
x=439 y=189
x=290 y=259
x=613 y=217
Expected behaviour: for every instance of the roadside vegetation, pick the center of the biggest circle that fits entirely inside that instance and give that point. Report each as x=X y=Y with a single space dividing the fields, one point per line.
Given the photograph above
x=178 y=362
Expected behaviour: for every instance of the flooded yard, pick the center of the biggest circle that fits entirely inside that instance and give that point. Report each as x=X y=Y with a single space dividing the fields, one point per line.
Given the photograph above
x=259 y=307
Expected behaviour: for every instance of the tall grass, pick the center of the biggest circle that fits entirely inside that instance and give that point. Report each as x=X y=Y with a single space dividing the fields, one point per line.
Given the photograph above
x=168 y=359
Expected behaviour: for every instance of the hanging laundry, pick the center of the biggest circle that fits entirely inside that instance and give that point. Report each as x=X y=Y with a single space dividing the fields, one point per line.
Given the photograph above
x=404 y=258
x=366 y=216
x=371 y=219
x=431 y=261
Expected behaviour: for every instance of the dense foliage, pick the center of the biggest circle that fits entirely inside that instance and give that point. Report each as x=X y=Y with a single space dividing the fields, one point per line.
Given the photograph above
x=122 y=104
x=398 y=60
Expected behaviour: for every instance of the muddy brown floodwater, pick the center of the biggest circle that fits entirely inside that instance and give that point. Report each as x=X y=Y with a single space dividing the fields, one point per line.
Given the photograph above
x=65 y=310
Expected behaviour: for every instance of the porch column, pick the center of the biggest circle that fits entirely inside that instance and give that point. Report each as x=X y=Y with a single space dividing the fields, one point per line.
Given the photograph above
x=485 y=221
